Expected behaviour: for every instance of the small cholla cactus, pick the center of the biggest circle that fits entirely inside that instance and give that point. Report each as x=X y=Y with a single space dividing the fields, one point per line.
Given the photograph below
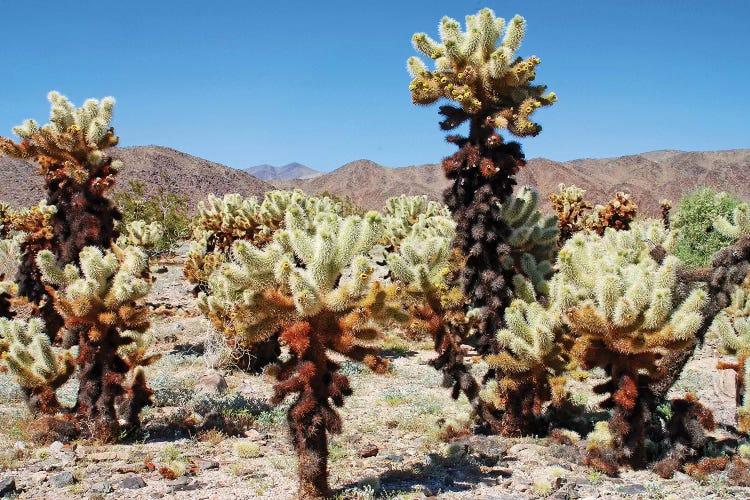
x=628 y=312
x=8 y=290
x=617 y=214
x=316 y=289
x=533 y=356
x=99 y=302
x=138 y=233
x=491 y=88
x=666 y=207
x=571 y=210
x=38 y=368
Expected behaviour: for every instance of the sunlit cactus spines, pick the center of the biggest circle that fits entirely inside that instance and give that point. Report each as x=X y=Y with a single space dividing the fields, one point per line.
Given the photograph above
x=141 y=234
x=618 y=213
x=478 y=70
x=628 y=313
x=39 y=368
x=666 y=207
x=405 y=216
x=739 y=226
x=315 y=290
x=534 y=352
x=571 y=210
x=99 y=300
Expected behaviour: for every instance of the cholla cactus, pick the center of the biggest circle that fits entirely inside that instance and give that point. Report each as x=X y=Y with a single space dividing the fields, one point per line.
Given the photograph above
x=666 y=207
x=740 y=225
x=617 y=214
x=5 y=212
x=315 y=288
x=39 y=369
x=732 y=326
x=138 y=233
x=99 y=303
x=480 y=72
x=533 y=356
x=571 y=210
x=629 y=313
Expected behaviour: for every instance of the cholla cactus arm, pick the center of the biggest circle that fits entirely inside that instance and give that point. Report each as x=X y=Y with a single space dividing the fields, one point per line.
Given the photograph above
x=99 y=302
x=740 y=225
x=39 y=369
x=571 y=210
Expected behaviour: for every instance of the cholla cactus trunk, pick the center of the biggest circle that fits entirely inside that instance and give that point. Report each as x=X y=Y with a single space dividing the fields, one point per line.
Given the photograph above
x=666 y=207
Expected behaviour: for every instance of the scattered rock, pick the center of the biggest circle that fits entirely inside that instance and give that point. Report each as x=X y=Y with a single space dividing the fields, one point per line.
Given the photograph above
x=183 y=483
x=62 y=479
x=213 y=382
x=369 y=451
x=133 y=483
x=101 y=488
x=103 y=456
x=8 y=486
x=631 y=489
x=55 y=447
x=253 y=434
x=206 y=464
x=394 y=458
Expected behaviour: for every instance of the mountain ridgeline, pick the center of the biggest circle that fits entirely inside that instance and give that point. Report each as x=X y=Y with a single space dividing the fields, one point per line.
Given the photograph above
x=649 y=177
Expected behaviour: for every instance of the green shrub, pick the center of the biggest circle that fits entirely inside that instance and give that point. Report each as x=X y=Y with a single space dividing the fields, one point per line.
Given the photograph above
x=167 y=208
x=697 y=239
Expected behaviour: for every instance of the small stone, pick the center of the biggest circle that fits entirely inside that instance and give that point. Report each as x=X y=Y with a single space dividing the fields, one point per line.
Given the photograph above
x=213 y=382
x=64 y=478
x=133 y=483
x=369 y=451
x=394 y=458
x=206 y=464
x=161 y=270
x=8 y=486
x=101 y=488
x=39 y=477
x=253 y=434
x=631 y=489
x=19 y=446
x=103 y=456
x=55 y=447
x=184 y=484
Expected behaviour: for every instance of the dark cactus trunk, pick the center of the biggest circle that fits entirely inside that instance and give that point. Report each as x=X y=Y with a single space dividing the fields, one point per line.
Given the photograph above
x=312 y=452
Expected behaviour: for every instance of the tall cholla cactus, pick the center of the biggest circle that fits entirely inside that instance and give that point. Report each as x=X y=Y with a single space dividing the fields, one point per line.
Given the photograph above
x=533 y=244
x=316 y=289
x=98 y=301
x=39 y=369
x=139 y=233
x=629 y=313
x=78 y=173
x=405 y=216
x=478 y=70
x=534 y=352
x=617 y=214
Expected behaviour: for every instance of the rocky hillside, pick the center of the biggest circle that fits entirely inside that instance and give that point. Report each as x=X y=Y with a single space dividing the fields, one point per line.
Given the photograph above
x=650 y=177
x=155 y=165
x=287 y=172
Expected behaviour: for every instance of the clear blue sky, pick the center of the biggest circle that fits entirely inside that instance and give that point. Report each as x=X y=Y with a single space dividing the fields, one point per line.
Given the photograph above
x=324 y=82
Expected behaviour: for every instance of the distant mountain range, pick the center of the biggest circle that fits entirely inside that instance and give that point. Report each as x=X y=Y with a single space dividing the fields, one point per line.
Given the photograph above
x=649 y=177
x=285 y=173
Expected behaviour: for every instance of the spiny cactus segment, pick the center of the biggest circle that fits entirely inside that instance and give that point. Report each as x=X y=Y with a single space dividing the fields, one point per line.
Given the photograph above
x=139 y=233
x=405 y=216
x=740 y=224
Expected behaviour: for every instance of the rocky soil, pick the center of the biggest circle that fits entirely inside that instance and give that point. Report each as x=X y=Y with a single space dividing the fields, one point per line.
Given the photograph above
x=403 y=437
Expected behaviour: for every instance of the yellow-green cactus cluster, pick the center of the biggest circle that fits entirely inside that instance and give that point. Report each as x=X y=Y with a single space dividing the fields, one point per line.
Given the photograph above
x=740 y=224
x=29 y=355
x=480 y=71
x=414 y=216
x=299 y=274
x=533 y=242
x=139 y=233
